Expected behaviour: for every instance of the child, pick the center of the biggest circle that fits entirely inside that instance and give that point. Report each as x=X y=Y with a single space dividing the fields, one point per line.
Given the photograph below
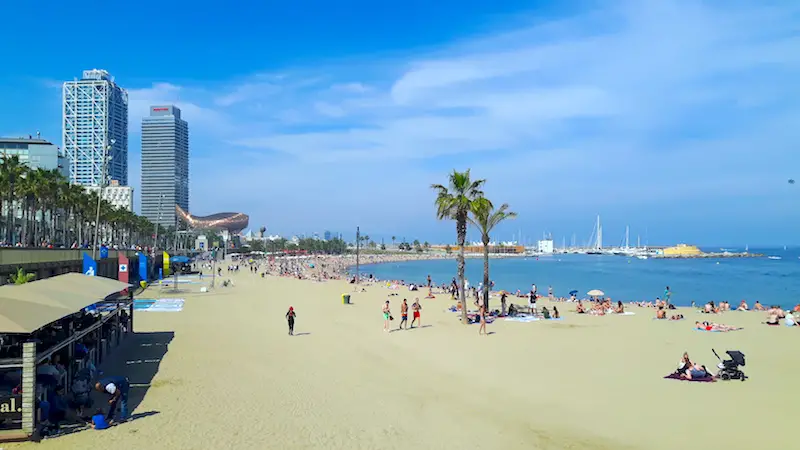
x=99 y=420
x=290 y=318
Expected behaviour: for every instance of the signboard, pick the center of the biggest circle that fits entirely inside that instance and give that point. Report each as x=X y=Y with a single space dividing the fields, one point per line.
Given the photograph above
x=89 y=265
x=124 y=275
x=11 y=408
x=103 y=252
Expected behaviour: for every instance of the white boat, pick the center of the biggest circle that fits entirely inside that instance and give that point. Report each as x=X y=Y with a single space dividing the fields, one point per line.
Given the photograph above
x=774 y=257
x=641 y=256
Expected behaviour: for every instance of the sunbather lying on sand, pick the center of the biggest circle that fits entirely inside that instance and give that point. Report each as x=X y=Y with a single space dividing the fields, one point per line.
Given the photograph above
x=676 y=317
x=711 y=326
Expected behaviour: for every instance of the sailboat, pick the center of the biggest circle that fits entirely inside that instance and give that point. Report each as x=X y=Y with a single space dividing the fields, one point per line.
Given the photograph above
x=598 y=246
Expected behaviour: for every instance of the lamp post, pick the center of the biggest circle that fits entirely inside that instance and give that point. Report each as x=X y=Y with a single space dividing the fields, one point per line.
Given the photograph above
x=103 y=169
x=158 y=220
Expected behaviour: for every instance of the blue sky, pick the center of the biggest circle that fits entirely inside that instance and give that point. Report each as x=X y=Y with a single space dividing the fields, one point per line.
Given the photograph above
x=678 y=118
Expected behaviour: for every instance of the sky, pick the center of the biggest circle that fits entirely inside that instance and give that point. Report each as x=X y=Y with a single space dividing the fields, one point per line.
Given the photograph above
x=676 y=118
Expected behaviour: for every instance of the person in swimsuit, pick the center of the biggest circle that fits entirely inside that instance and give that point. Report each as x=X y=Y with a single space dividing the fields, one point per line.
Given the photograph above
x=482 y=314
x=290 y=315
x=416 y=307
x=403 y=315
x=386 y=314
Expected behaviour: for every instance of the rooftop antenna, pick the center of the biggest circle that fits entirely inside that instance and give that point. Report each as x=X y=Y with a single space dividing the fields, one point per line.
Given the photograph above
x=38 y=134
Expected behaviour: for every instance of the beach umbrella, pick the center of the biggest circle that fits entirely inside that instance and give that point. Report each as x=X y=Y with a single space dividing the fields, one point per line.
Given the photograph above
x=596 y=293
x=575 y=292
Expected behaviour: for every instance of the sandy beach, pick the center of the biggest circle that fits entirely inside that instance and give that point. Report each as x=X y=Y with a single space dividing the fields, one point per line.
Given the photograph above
x=224 y=374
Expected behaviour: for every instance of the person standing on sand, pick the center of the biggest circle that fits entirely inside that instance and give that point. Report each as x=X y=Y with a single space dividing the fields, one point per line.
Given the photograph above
x=416 y=307
x=482 y=316
x=403 y=315
x=429 y=281
x=290 y=315
x=667 y=295
x=386 y=315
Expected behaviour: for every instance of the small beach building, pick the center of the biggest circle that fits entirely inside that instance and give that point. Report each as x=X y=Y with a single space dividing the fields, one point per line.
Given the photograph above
x=682 y=250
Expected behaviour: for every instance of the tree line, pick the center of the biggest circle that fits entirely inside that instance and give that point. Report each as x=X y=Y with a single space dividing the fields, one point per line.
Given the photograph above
x=41 y=208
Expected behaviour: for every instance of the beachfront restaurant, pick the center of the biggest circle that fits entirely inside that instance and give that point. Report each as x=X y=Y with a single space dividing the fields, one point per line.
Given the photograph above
x=49 y=341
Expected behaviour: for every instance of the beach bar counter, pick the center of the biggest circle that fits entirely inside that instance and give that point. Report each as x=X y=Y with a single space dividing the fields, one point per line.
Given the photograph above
x=47 y=337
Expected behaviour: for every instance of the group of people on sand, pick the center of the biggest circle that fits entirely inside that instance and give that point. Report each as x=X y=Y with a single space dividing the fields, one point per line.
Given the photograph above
x=775 y=314
x=416 y=308
x=600 y=307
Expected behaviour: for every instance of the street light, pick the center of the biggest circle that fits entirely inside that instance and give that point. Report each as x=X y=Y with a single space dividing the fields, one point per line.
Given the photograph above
x=155 y=240
x=103 y=169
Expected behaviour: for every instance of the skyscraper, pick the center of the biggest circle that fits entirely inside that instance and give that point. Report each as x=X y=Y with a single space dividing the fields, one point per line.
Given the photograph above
x=95 y=120
x=165 y=164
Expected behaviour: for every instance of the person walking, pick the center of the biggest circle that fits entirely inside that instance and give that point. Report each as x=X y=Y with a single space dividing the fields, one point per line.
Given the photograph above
x=387 y=314
x=117 y=388
x=403 y=315
x=290 y=316
x=416 y=307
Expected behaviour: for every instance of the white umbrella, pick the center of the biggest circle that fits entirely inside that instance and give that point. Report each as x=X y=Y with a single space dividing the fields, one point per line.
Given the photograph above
x=596 y=293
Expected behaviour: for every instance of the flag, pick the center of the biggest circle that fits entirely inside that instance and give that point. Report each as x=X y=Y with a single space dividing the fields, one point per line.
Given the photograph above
x=166 y=264
x=89 y=265
x=142 y=267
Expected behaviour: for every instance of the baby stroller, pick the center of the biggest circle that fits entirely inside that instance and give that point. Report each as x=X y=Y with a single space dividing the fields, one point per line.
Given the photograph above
x=729 y=368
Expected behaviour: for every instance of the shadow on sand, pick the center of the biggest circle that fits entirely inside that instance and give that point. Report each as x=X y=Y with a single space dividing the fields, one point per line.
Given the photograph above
x=302 y=334
x=138 y=358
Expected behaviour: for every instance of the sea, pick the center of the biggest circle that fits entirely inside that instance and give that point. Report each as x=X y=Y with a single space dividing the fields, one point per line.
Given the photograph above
x=770 y=281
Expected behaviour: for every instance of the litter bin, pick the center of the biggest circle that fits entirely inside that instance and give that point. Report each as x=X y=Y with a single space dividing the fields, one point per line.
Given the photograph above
x=345 y=299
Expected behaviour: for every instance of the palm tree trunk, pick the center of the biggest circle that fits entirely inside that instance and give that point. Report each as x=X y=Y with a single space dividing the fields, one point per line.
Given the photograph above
x=461 y=232
x=486 y=272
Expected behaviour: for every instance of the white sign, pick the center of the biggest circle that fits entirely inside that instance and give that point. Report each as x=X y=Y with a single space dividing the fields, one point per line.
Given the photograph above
x=123 y=267
x=90 y=271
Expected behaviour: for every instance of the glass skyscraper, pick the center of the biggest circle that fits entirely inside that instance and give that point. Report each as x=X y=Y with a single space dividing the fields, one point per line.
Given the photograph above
x=165 y=164
x=95 y=120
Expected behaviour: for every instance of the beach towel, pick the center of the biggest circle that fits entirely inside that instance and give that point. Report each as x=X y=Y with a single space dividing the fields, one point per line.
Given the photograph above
x=716 y=331
x=626 y=313
x=522 y=319
x=675 y=376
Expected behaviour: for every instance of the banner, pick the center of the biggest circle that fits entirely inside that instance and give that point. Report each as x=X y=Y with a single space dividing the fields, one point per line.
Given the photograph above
x=123 y=268
x=89 y=265
x=166 y=264
x=142 y=267
x=103 y=252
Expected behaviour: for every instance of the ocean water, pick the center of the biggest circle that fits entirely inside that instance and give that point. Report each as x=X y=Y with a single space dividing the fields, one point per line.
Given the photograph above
x=772 y=282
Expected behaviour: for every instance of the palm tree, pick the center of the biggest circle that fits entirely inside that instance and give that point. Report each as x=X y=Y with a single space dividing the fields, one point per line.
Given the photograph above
x=454 y=203
x=484 y=217
x=13 y=172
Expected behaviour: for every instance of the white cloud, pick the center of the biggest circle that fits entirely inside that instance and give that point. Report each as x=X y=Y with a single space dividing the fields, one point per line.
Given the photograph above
x=635 y=103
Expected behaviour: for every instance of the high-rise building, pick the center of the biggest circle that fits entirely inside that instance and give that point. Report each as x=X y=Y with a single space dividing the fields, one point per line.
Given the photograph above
x=118 y=196
x=36 y=153
x=327 y=235
x=165 y=164
x=95 y=121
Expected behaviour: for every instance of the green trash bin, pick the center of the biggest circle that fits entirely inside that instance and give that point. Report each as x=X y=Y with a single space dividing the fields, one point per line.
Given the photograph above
x=345 y=299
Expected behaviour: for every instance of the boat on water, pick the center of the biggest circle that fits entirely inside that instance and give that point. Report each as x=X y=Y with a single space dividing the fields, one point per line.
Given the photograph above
x=641 y=256
x=774 y=257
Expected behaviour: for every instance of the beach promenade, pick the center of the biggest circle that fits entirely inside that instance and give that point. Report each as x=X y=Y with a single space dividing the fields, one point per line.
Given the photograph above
x=228 y=376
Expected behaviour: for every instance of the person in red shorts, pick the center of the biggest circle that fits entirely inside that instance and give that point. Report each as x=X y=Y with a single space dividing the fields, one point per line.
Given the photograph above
x=416 y=307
